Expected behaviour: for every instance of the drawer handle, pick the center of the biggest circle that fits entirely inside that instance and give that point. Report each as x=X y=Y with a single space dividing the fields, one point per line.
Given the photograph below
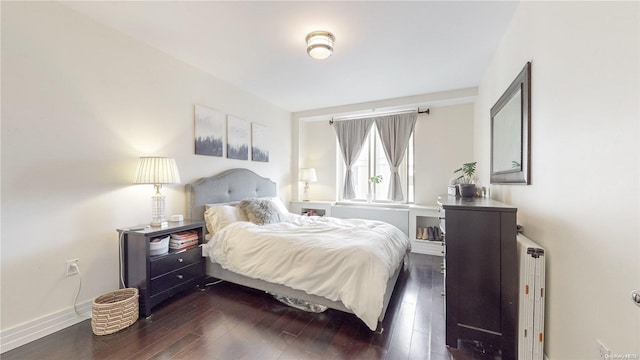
x=179 y=277
x=180 y=260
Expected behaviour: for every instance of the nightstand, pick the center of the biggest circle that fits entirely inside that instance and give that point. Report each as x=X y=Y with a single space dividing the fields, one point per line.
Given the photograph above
x=159 y=277
x=311 y=208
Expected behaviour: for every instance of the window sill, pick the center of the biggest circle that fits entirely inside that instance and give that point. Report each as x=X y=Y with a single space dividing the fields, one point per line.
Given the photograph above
x=382 y=205
x=373 y=205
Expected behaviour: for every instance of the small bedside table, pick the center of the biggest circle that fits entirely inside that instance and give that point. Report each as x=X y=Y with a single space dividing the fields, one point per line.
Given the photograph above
x=311 y=208
x=160 y=277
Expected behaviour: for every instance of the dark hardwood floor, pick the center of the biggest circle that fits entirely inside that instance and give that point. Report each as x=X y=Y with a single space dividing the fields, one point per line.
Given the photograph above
x=227 y=321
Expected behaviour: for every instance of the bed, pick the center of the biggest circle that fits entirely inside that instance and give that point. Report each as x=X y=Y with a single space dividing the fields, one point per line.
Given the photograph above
x=233 y=188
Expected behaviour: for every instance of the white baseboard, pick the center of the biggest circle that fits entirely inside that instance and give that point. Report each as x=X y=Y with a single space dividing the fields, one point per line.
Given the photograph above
x=41 y=327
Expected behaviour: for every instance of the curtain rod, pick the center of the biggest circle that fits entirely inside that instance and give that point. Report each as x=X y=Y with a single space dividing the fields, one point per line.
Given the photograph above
x=427 y=111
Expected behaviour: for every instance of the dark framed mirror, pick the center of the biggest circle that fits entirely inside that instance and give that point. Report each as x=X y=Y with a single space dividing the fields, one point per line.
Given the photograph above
x=510 y=132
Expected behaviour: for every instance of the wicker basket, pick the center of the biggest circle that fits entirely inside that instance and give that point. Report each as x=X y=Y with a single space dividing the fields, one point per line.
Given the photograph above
x=114 y=311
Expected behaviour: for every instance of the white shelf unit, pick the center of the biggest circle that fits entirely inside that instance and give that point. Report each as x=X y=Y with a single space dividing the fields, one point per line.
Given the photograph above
x=396 y=216
x=425 y=216
x=311 y=208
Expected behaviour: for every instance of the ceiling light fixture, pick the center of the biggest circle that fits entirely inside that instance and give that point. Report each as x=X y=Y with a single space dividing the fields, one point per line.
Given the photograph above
x=320 y=44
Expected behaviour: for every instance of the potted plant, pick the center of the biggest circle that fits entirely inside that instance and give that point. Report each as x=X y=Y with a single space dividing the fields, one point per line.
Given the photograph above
x=373 y=180
x=465 y=181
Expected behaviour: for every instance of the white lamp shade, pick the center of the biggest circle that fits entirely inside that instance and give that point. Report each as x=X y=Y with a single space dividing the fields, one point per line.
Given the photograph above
x=308 y=175
x=156 y=170
x=320 y=44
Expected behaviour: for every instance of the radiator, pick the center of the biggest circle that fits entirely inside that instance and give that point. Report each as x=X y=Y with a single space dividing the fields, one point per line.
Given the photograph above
x=531 y=300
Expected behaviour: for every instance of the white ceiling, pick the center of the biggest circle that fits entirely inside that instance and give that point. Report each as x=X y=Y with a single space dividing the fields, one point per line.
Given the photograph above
x=383 y=50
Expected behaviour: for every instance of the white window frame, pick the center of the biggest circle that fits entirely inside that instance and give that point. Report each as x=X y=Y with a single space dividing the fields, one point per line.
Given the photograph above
x=407 y=172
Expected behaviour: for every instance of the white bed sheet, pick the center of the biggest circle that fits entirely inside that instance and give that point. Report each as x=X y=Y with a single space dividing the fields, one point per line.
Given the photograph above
x=347 y=260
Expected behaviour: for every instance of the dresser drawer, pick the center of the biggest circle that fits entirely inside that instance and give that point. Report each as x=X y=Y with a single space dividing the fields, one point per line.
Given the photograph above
x=175 y=278
x=171 y=262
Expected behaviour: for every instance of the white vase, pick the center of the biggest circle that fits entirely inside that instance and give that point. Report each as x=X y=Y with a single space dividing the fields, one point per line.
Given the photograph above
x=369 y=198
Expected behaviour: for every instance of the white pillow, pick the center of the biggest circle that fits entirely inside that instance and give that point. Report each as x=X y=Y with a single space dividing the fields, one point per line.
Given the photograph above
x=279 y=204
x=285 y=215
x=219 y=216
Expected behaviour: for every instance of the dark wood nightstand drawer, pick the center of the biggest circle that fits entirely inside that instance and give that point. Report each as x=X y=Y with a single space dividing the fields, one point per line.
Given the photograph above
x=170 y=262
x=176 y=278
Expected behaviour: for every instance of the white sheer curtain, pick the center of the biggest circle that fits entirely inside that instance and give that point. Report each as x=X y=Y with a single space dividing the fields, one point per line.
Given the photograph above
x=351 y=135
x=395 y=132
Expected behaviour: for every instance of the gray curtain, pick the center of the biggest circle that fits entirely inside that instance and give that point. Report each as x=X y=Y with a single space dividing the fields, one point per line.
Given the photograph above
x=395 y=131
x=351 y=135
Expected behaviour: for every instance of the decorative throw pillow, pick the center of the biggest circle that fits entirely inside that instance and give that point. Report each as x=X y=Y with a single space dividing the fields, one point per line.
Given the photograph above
x=261 y=211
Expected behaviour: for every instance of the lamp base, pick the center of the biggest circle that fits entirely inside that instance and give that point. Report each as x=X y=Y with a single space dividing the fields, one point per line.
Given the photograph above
x=157 y=209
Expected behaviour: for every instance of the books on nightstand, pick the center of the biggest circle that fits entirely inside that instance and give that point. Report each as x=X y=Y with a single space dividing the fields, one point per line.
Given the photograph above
x=183 y=240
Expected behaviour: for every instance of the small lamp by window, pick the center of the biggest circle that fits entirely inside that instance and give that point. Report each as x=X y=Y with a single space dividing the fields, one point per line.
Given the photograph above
x=307 y=175
x=157 y=171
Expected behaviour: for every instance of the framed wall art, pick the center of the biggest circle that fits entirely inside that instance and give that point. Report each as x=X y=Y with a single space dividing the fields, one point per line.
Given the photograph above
x=209 y=131
x=259 y=143
x=237 y=138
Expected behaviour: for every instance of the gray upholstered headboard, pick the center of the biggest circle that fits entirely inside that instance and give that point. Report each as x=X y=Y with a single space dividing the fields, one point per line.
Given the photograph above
x=231 y=185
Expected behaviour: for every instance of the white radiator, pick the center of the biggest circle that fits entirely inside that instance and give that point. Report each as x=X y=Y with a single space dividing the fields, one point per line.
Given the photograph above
x=531 y=300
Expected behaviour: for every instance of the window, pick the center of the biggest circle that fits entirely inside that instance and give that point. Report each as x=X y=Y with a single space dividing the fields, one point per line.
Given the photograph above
x=371 y=162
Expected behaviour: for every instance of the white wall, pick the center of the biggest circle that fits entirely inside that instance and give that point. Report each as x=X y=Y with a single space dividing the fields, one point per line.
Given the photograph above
x=318 y=149
x=80 y=103
x=443 y=142
x=583 y=202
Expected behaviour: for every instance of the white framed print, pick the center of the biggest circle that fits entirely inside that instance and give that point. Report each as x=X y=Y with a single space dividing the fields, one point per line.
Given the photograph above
x=237 y=138
x=259 y=143
x=209 y=131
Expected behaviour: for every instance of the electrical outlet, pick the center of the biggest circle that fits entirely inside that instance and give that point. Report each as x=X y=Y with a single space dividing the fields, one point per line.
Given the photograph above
x=72 y=267
x=604 y=351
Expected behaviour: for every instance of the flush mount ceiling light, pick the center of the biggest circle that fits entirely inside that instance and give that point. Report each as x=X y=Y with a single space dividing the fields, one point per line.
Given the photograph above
x=320 y=44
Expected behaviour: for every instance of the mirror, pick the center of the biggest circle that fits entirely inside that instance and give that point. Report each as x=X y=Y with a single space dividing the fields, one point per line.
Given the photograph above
x=510 y=127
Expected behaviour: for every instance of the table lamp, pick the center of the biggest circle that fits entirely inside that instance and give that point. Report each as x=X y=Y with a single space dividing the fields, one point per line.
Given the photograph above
x=157 y=171
x=307 y=175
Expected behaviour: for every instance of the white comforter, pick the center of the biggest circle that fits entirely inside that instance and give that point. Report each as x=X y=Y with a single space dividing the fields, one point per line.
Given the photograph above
x=343 y=260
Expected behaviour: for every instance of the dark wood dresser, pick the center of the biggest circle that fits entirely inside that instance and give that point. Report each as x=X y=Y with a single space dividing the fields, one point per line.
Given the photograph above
x=481 y=276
